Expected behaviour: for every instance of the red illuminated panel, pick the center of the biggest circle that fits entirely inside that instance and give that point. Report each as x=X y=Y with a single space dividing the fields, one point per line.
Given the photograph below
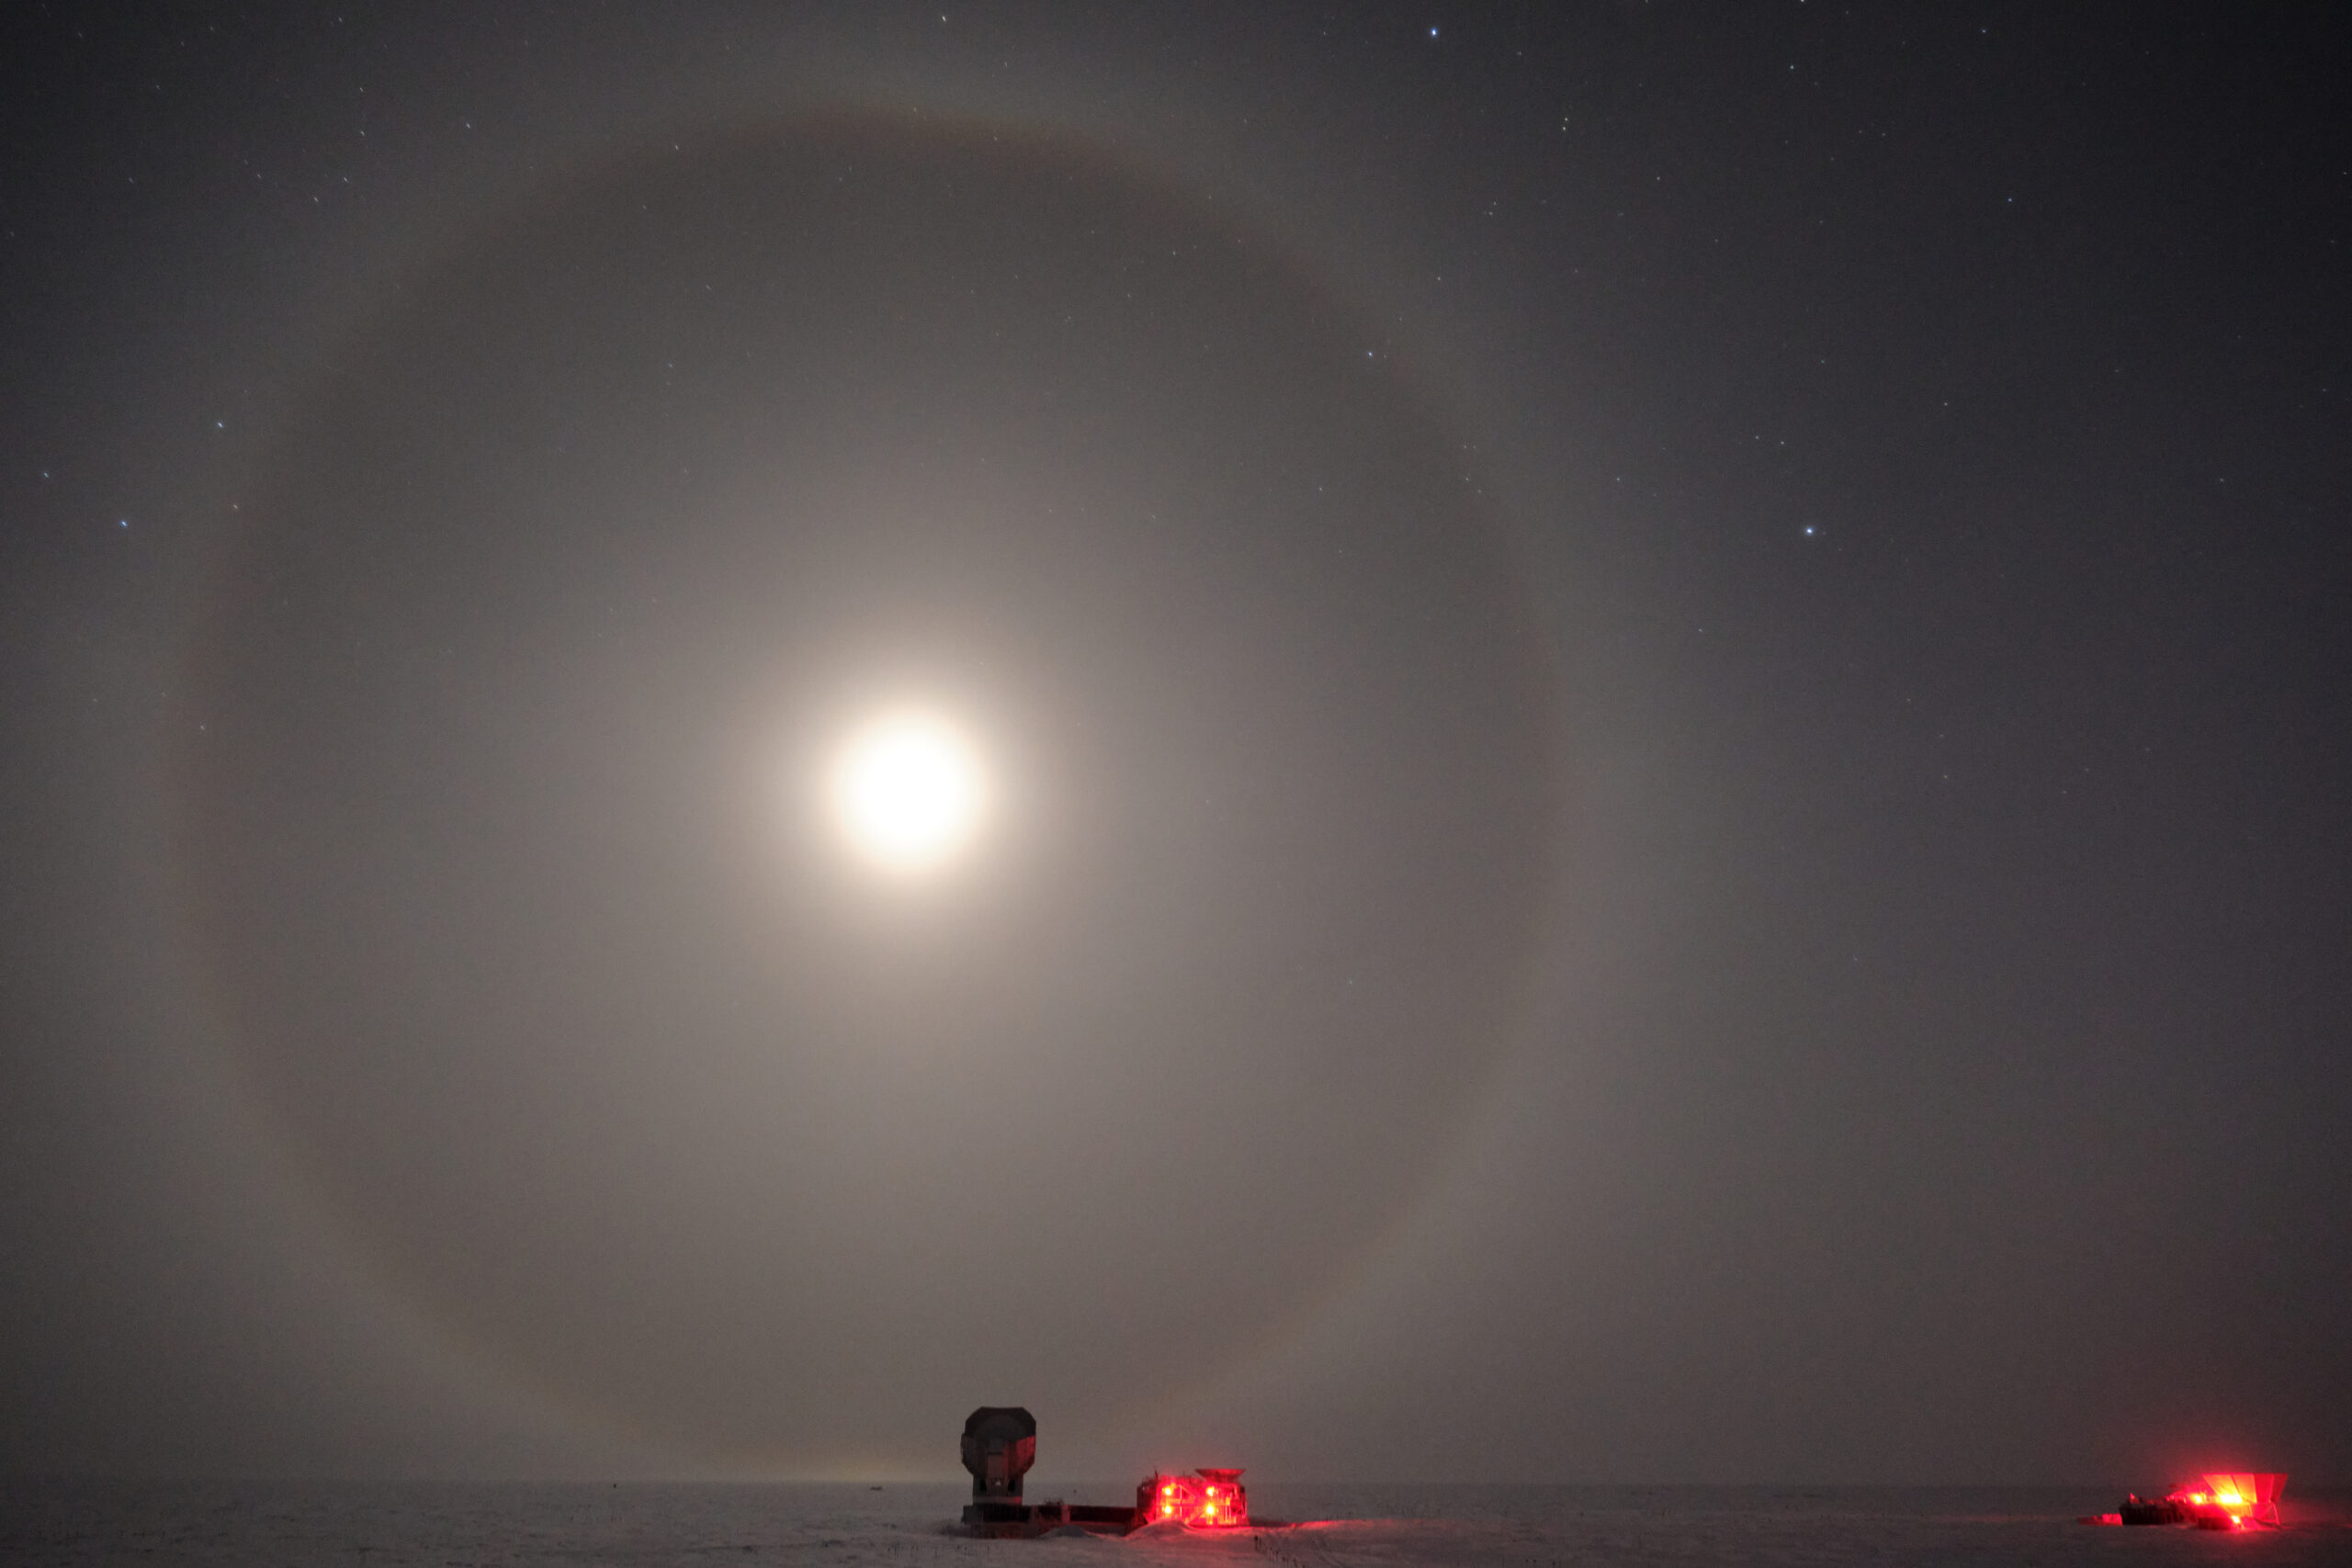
x=1208 y=1499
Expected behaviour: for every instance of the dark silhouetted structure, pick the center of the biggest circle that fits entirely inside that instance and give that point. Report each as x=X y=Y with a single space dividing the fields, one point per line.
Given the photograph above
x=1000 y=1445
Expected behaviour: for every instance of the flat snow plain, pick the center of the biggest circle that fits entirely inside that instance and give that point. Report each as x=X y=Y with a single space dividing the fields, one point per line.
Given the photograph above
x=393 y=1525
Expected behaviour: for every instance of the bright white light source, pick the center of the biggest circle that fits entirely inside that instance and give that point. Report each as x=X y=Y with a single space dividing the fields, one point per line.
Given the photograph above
x=908 y=791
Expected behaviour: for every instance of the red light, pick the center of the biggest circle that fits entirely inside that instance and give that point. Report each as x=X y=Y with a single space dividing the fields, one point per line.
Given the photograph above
x=1213 y=1498
x=2230 y=1501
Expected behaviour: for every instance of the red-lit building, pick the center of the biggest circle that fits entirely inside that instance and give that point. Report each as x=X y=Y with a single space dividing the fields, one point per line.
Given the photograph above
x=1205 y=1499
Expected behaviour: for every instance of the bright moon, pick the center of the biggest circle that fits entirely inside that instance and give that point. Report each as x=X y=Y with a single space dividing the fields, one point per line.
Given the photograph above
x=908 y=791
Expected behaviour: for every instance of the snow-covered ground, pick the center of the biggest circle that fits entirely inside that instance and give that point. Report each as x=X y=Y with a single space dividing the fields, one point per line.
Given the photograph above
x=388 y=1525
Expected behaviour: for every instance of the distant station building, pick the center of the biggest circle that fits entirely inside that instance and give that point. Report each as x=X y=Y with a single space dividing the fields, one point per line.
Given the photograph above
x=1001 y=1444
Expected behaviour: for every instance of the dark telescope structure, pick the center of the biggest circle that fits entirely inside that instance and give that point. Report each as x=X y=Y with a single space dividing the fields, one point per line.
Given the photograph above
x=1000 y=1445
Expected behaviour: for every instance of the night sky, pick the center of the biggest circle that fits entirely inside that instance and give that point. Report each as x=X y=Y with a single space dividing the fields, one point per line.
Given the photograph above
x=1662 y=695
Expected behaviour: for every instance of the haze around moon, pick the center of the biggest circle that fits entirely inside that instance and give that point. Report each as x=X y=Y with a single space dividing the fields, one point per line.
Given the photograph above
x=1231 y=746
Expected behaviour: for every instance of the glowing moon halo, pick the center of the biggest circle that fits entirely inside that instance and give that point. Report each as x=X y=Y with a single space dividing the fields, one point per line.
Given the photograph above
x=909 y=792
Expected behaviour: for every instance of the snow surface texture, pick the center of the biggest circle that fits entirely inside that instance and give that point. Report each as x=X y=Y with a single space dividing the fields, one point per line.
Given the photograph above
x=385 y=1526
